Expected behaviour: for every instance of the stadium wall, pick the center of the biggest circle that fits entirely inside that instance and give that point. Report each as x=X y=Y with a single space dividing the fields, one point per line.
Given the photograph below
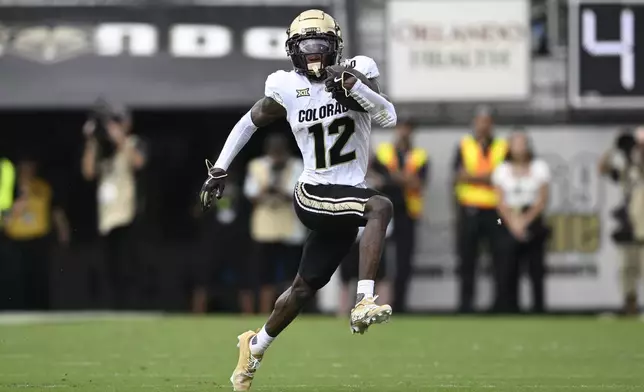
x=583 y=262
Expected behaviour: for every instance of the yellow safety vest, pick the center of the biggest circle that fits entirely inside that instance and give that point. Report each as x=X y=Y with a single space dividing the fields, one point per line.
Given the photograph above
x=7 y=186
x=475 y=163
x=414 y=161
x=35 y=220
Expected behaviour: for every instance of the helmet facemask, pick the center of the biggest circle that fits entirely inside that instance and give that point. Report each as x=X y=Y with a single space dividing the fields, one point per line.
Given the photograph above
x=311 y=54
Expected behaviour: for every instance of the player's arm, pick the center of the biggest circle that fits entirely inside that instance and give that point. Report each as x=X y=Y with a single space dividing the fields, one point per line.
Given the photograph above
x=367 y=93
x=264 y=112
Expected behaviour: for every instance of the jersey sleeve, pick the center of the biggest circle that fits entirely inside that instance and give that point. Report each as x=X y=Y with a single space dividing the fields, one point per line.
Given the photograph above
x=274 y=88
x=365 y=65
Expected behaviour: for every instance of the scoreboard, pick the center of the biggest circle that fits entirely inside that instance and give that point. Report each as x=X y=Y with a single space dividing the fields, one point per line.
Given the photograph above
x=606 y=54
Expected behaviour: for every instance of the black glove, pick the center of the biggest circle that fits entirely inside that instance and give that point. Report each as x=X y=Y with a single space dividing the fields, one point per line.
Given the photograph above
x=214 y=185
x=336 y=77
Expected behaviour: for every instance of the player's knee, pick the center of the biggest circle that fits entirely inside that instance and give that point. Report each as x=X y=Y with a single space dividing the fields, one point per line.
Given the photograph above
x=380 y=207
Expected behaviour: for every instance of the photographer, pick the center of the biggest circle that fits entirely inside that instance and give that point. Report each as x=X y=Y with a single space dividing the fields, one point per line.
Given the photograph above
x=624 y=164
x=111 y=157
x=275 y=229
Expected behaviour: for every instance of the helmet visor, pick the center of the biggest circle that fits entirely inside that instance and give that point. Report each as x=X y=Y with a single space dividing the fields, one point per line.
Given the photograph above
x=315 y=46
x=313 y=54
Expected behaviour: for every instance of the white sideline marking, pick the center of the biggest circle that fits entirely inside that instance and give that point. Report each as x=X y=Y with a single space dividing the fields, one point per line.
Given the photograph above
x=26 y=318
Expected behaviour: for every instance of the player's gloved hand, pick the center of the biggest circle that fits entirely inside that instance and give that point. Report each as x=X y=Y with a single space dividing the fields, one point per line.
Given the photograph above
x=213 y=186
x=339 y=80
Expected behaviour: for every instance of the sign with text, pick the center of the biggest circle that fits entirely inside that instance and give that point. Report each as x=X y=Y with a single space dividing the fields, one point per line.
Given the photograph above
x=145 y=57
x=459 y=50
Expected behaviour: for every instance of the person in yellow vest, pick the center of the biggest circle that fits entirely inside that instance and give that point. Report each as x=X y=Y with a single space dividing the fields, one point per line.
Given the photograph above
x=406 y=169
x=9 y=264
x=274 y=227
x=477 y=155
x=7 y=187
x=29 y=227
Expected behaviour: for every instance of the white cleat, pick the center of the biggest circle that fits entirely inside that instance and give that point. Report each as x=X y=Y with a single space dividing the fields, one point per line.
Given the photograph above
x=247 y=363
x=367 y=312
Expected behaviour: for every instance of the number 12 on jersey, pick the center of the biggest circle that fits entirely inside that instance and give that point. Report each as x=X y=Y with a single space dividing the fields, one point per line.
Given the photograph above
x=344 y=127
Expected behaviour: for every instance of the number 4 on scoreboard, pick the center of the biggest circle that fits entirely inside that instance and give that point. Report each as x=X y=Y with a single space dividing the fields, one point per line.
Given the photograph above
x=624 y=48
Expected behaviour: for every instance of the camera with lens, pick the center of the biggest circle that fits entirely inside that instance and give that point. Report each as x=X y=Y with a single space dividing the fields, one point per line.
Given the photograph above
x=277 y=168
x=624 y=232
x=100 y=115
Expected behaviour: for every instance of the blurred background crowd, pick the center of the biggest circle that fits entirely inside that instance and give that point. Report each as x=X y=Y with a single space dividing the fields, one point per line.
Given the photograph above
x=516 y=170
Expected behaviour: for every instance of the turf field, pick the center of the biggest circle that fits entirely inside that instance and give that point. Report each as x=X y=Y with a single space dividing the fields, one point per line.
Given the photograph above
x=320 y=354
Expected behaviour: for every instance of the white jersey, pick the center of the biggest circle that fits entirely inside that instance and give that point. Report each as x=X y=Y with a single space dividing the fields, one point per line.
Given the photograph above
x=334 y=141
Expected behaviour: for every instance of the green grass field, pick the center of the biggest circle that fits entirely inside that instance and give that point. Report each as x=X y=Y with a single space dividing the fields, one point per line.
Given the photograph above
x=320 y=354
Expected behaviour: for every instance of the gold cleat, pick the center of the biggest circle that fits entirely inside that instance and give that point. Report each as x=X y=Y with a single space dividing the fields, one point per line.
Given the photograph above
x=247 y=364
x=367 y=312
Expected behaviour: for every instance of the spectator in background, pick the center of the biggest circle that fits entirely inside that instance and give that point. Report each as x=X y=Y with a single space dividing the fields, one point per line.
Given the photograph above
x=349 y=268
x=476 y=156
x=522 y=183
x=7 y=187
x=275 y=229
x=9 y=271
x=624 y=164
x=406 y=176
x=223 y=239
x=29 y=227
x=112 y=156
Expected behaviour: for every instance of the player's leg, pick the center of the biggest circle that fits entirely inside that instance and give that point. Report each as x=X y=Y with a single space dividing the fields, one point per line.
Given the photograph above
x=383 y=283
x=342 y=206
x=348 y=274
x=322 y=254
x=378 y=213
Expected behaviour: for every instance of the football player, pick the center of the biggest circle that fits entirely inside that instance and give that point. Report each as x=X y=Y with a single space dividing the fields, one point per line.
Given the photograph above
x=329 y=105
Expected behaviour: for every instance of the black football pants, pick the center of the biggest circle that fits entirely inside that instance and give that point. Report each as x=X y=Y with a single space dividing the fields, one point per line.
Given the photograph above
x=515 y=256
